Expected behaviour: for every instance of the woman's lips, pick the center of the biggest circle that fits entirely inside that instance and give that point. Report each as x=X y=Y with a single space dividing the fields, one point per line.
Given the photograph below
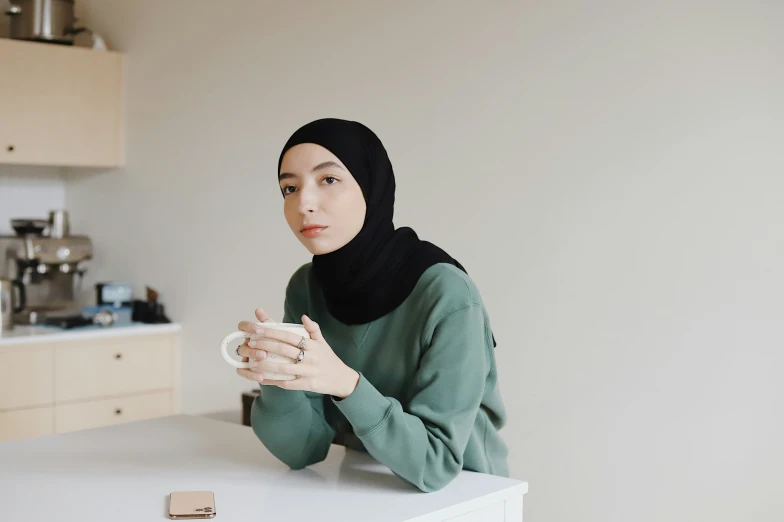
x=313 y=231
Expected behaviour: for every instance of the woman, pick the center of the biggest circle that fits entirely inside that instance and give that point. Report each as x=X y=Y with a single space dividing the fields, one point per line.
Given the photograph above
x=401 y=357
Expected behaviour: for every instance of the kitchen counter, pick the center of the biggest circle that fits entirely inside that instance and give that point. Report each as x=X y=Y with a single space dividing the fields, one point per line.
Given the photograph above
x=126 y=472
x=22 y=334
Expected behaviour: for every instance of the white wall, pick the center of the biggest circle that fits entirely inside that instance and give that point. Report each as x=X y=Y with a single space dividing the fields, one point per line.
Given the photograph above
x=608 y=172
x=29 y=192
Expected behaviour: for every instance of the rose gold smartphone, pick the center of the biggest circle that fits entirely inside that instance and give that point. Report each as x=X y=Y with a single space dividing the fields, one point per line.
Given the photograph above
x=191 y=504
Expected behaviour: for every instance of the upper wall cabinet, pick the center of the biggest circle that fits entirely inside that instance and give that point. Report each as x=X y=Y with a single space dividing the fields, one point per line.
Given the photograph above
x=60 y=105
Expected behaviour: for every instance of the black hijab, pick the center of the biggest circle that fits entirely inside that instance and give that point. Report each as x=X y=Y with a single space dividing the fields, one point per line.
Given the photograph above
x=377 y=270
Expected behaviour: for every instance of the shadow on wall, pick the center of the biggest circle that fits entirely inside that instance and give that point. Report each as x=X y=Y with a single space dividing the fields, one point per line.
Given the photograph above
x=4 y=5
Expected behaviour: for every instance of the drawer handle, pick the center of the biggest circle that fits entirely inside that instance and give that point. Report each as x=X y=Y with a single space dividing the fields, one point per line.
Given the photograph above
x=10 y=148
x=118 y=356
x=118 y=411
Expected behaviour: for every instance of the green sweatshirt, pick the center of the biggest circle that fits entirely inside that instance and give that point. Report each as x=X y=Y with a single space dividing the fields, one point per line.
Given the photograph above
x=427 y=404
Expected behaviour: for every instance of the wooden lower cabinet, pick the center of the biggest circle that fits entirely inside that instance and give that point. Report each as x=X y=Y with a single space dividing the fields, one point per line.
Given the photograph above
x=22 y=424
x=106 y=369
x=26 y=378
x=105 y=412
x=64 y=386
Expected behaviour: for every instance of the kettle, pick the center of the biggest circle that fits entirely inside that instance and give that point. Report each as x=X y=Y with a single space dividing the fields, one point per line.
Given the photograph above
x=7 y=310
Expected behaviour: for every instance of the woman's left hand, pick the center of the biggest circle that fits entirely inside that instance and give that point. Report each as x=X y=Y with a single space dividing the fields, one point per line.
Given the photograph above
x=320 y=371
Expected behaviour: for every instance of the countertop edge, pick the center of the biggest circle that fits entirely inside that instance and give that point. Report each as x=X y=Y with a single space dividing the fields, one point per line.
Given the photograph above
x=517 y=489
x=91 y=333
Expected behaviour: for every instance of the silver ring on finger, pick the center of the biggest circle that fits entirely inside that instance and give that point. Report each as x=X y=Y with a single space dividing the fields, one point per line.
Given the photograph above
x=300 y=357
x=302 y=344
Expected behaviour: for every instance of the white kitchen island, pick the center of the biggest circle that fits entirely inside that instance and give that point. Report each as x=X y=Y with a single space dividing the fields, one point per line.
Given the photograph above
x=126 y=472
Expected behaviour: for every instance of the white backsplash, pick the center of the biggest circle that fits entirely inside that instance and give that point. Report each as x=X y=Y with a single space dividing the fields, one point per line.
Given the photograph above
x=29 y=192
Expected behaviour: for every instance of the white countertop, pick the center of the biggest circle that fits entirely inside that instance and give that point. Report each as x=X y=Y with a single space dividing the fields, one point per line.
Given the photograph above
x=126 y=472
x=21 y=334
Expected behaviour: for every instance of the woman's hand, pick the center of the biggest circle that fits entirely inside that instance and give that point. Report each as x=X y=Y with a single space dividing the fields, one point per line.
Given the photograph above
x=247 y=326
x=320 y=371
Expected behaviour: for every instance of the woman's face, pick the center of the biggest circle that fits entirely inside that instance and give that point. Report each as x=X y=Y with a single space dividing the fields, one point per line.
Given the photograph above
x=323 y=203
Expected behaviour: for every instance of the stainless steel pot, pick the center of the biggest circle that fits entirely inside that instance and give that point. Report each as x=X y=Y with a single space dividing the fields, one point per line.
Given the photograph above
x=7 y=307
x=58 y=224
x=43 y=20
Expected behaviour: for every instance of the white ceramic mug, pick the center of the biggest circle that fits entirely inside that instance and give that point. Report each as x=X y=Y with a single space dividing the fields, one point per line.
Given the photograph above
x=271 y=357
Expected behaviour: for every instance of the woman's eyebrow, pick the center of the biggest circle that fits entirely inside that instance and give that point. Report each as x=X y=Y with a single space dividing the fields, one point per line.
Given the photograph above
x=327 y=165
x=320 y=166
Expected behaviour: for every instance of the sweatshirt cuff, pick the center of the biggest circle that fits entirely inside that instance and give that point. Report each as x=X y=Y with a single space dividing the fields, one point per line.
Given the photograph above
x=278 y=402
x=366 y=408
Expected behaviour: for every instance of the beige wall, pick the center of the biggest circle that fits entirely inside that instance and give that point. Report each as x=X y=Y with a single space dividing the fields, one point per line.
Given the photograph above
x=608 y=173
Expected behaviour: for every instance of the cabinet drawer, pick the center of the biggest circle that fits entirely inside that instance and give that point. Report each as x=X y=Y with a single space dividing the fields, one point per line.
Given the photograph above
x=113 y=367
x=21 y=424
x=105 y=412
x=26 y=378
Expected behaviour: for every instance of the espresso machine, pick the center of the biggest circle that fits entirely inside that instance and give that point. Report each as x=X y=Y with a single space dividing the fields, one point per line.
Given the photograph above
x=50 y=263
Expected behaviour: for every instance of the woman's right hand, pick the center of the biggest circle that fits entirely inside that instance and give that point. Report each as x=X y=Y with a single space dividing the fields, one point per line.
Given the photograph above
x=246 y=351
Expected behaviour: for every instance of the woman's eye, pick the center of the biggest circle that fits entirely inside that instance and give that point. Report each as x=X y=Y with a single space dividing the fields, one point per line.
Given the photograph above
x=288 y=189
x=330 y=180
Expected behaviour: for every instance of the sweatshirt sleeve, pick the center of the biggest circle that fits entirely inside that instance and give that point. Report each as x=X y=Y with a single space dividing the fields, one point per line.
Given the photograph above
x=291 y=423
x=423 y=442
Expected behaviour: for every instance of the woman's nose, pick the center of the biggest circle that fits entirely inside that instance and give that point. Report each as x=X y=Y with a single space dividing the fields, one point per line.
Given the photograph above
x=308 y=200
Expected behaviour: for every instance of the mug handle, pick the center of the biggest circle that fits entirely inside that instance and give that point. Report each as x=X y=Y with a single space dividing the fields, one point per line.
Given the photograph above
x=224 y=347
